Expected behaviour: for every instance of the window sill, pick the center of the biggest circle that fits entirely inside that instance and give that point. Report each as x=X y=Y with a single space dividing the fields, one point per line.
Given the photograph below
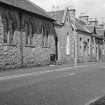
x=7 y=44
x=45 y=47
x=31 y=46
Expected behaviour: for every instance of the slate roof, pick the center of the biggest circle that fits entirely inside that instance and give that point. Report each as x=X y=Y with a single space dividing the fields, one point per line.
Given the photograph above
x=27 y=6
x=59 y=16
x=80 y=25
x=90 y=28
x=100 y=33
x=81 y=22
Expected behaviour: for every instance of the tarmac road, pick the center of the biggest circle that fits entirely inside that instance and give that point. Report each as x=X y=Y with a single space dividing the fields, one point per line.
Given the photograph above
x=58 y=86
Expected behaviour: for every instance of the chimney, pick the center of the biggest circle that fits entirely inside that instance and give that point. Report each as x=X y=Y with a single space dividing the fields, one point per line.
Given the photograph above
x=101 y=26
x=84 y=18
x=93 y=21
x=72 y=12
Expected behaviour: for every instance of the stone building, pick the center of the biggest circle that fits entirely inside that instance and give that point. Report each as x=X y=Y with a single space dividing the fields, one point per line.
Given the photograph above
x=65 y=20
x=83 y=41
x=100 y=44
x=97 y=44
x=27 y=34
x=65 y=36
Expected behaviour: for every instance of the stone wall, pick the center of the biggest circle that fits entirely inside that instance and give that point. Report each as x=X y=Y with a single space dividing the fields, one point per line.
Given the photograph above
x=62 y=32
x=9 y=54
x=37 y=54
x=84 y=55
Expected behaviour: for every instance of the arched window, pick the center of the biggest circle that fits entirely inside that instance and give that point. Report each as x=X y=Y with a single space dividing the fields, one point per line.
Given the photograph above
x=44 y=37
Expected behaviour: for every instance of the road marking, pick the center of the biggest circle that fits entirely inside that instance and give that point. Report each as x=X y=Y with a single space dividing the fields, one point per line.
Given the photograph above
x=39 y=72
x=93 y=100
x=71 y=74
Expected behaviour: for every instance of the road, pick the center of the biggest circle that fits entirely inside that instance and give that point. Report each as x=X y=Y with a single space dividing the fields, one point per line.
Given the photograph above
x=59 y=86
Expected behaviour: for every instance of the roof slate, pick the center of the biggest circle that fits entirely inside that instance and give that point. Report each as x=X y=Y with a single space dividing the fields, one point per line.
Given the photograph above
x=58 y=16
x=81 y=22
x=80 y=25
x=100 y=32
x=90 y=28
x=28 y=6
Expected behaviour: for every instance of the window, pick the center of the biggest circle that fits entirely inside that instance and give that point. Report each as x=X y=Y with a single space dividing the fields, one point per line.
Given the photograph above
x=8 y=33
x=88 y=46
x=9 y=23
x=5 y=39
x=68 y=44
x=28 y=35
x=67 y=19
x=44 y=38
x=80 y=39
x=45 y=41
x=80 y=50
x=94 y=51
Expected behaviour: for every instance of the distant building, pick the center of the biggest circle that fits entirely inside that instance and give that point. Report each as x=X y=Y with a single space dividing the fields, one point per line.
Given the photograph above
x=84 y=18
x=93 y=22
x=65 y=20
x=65 y=35
x=97 y=37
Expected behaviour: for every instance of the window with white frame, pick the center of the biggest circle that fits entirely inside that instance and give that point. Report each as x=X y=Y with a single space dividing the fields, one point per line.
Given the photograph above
x=8 y=34
x=68 y=44
x=44 y=38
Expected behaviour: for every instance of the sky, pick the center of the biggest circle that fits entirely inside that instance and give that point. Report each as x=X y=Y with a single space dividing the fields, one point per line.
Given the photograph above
x=92 y=8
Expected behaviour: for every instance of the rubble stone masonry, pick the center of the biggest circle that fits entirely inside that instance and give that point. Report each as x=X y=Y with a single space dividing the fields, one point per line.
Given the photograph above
x=37 y=54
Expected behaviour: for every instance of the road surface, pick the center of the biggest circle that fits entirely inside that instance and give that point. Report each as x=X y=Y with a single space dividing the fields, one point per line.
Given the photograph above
x=58 y=86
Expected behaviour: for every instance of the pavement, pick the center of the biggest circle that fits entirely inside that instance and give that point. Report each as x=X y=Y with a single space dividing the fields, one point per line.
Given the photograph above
x=56 y=85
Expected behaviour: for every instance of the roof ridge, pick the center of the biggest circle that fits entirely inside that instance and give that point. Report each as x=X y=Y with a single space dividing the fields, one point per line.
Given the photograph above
x=35 y=5
x=55 y=11
x=41 y=9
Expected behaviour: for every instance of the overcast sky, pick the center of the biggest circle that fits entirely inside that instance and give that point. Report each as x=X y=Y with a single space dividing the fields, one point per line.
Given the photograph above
x=93 y=8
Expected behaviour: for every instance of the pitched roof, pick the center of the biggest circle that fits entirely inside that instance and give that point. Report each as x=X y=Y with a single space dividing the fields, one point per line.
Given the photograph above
x=100 y=33
x=81 y=22
x=80 y=25
x=59 y=16
x=28 y=6
x=90 y=28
